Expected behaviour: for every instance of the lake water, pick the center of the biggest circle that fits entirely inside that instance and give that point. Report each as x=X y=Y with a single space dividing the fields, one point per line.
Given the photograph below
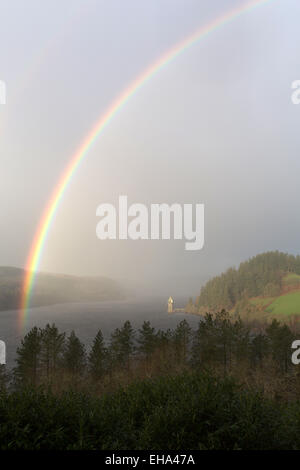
x=86 y=319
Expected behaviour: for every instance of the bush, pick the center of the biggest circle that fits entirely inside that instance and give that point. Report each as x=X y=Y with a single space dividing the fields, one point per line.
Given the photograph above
x=190 y=411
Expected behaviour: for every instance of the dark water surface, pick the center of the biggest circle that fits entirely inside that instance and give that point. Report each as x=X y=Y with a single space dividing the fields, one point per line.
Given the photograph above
x=86 y=319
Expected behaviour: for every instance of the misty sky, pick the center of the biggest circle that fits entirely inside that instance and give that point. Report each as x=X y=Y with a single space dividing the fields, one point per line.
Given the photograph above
x=216 y=126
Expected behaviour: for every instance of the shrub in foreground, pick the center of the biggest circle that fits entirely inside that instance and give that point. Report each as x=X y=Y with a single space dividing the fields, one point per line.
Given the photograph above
x=189 y=411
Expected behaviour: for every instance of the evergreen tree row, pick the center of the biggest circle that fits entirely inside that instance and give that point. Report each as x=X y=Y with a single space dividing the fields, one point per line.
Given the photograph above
x=48 y=356
x=45 y=354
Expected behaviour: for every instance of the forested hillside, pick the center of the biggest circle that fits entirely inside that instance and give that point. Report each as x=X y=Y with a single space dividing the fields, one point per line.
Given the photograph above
x=55 y=288
x=262 y=275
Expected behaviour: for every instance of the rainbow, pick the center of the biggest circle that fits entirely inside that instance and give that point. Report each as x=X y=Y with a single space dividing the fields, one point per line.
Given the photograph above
x=58 y=193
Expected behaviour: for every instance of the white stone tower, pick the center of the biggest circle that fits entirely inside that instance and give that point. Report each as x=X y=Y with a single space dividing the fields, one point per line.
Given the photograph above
x=170 y=305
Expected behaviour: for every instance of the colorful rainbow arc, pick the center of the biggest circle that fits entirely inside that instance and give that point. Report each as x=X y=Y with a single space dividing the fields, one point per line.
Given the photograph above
x=49 y=213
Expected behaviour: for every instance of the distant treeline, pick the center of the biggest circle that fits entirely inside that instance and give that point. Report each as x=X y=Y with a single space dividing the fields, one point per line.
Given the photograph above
x=55 y=288
x=261 y=275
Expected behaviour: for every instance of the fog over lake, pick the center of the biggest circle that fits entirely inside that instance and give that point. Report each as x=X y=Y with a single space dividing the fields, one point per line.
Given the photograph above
x=86 y=319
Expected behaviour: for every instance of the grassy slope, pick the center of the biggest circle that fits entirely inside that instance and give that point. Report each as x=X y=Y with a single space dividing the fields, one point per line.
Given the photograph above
x=262 y=301
x=291 y=279
x=286 y=303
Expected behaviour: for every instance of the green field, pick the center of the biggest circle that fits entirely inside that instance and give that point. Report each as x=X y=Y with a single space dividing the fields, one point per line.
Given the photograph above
x=262 y=301
x=287 y=304
x=291 y=279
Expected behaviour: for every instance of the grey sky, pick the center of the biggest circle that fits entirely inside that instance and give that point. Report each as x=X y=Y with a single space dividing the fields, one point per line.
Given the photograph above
x=216 y=127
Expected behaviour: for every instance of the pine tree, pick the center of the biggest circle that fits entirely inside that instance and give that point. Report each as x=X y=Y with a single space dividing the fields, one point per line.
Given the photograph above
x=28 y=358
x=74 y=357
x=52 y=346
x=204 y=345
x=165 y=346
x=147 y=340
x=182 y=336
x=280 y=339
x=98 y=357
x=225 y=338
x=122 y=345
x=240 y=340
x=259 y=349
x=4 y=378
